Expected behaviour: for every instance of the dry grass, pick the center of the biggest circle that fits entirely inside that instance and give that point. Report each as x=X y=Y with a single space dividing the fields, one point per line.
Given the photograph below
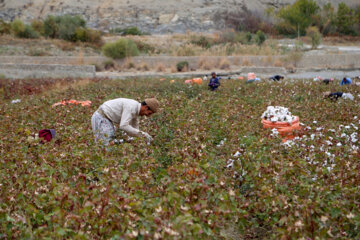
x=61 y=86
x=80 y=58
x=205 y=63
x=64 y=45
x=278 y=63
x=173 y=69
x=224 y=63
x=143 y=67
x=160 y=67
x=128 y=64
x=246 y=62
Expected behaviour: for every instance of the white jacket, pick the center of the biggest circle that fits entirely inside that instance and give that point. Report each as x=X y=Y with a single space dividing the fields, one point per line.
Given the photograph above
x=124 y=112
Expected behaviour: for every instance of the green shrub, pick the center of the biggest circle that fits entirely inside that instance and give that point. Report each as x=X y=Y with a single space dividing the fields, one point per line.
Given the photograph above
x=120 y=49
x=180 y=66
x=17 y=27
x=29 y=32
x=63 y=27
x=87 y=35
x=248 y=37
x=126 y=31
x=144 y=47
x=5 y=28
x=315 y=35
x=260 y=37
x=93 y=36
x=201 y=41
x=51 y=27
x=38 y=26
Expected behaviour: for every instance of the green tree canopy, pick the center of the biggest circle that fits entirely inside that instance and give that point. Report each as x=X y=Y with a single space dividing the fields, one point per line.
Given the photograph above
x=345 y=19
x=299 y=16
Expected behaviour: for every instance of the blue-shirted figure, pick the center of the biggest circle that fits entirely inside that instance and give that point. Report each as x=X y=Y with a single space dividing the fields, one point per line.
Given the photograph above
x=214 y=82
x=346 y=81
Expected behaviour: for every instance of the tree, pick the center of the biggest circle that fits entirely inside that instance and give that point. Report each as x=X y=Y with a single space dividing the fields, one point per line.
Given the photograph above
x=315 y=35
x=299 y=16
x=328 y=19
x=345 y=20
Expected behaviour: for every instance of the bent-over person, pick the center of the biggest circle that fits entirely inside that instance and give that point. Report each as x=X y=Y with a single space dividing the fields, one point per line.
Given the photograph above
x=124 y=113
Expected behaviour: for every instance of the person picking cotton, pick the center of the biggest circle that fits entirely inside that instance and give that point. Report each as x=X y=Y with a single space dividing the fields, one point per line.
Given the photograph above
x=123 y=112
x=335 y=95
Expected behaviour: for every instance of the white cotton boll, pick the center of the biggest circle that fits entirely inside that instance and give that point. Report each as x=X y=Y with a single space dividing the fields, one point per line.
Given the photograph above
x=347 y=127
x=332 y=130
x=274 y=132
x=312 y=136
x=339 y=144
x=355 y=117
x=353 y=125
x=329 y=143
x=315 y=122
x=353 y=137
x=343 y=135
x=230 y=163
x=289 y=143
x=319 y=129
x=16 y=101
x=237 y=154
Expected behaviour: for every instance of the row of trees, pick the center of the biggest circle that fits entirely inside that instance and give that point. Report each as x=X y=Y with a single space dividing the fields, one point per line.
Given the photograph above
x=66 y=27
x=296 y=18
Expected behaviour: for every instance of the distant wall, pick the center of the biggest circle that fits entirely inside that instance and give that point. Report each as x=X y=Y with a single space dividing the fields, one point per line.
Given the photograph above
x=53 y=60
x=326 y=61
x=46 y=71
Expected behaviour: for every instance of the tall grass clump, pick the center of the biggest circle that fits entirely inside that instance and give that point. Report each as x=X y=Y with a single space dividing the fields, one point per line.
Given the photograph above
x=120 y=49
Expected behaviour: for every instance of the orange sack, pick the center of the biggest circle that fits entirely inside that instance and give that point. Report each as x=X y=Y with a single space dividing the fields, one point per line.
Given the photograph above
x=284 y=128
x=197 y=81
x=86 y=103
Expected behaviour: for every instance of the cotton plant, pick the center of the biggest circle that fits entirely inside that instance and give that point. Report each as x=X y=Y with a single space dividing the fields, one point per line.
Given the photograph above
x=278 y=114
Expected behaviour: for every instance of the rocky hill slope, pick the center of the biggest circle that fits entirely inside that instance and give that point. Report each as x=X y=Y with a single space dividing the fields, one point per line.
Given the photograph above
x=154 y=16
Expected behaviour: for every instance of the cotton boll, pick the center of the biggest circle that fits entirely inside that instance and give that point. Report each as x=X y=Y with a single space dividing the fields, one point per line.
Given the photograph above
x=329 y=143
x=237 y=154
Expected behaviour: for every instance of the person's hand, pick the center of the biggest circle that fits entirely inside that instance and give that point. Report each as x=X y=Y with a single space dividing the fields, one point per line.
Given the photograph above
x=148 y=137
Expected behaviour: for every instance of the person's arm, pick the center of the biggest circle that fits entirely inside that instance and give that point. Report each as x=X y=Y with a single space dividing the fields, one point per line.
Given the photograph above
x=342 y=82
x=125 y=125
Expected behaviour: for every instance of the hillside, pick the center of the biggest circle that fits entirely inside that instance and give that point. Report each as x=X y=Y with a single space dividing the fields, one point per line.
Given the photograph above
x=155 y=16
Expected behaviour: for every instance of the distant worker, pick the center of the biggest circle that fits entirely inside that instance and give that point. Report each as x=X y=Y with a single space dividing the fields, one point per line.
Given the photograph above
x=276 y=78
x=346 y=81
x=336 y=95
x=328 y=80
x=124 y=112
x=214 y=82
